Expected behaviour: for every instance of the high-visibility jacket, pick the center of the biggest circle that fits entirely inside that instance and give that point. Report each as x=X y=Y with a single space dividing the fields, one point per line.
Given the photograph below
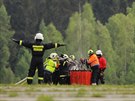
x=102 y=62
x=50 y=65
x=93 y=60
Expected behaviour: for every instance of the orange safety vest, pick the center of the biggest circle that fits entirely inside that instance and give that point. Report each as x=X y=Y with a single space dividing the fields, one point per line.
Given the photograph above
x=93 y=60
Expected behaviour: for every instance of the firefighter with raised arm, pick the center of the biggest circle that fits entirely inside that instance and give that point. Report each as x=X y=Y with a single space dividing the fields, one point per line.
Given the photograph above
x=37 y=48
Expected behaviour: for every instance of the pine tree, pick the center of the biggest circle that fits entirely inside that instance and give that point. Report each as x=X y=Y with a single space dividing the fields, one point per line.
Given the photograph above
x=56 y=37
x=131 y=70
x=23 y=63
x=51 y=34
x=5 y=37
x=80 y=34
x=104 y=43
x=72 y=38
x=88 y=29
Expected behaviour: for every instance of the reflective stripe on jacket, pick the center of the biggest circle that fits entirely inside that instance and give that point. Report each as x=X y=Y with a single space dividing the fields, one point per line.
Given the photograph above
x=93 y=60
x=50 y=65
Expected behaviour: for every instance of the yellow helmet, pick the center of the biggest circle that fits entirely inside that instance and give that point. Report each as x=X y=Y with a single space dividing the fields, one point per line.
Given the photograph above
x=72 y=57
x=90 y=52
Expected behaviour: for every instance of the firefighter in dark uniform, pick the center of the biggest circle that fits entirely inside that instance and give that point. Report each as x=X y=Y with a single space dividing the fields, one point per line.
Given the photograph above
x=64 y=69
x=37 y=49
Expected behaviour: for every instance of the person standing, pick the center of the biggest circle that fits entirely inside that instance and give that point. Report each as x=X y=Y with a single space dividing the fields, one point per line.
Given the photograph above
x=64 y=77
x=102 y=66
x=94 y=64
x=37 y=48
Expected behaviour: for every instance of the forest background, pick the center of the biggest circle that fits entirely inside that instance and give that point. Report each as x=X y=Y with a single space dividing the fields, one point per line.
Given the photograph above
x=108 y=25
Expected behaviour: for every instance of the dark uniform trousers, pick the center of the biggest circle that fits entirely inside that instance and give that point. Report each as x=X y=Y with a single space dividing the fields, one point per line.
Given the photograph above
x=56 y=77
x=101 y=76
x=95 y=70
x=36 y=63
x=47 y=77
x=64 y=73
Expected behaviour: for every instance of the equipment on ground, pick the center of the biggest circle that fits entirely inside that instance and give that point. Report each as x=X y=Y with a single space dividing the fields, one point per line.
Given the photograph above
x=21 y=81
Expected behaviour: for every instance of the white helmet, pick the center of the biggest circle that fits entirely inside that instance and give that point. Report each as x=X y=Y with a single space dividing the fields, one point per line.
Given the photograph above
x=99 y=52
x=39 y=36
x=65 y=56
x=53 y=56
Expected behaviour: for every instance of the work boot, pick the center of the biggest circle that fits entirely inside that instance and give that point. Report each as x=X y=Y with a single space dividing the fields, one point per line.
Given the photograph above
x=93 y=84
x=40 y=82
x=29 y=81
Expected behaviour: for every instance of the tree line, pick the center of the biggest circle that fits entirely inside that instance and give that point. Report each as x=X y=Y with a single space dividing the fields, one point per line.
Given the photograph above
x=116 y=38
x=26 y=15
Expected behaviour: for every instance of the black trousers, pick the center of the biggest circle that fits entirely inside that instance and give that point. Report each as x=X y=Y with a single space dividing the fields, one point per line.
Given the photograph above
x=101 y=76
x=47 y=77
x=64 y=78
x=95 y=70
x=36 y=63
x=56 y=77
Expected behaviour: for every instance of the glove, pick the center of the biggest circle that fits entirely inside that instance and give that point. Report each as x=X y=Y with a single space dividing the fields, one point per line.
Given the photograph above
x=14 y=40
x=62 y=44
x=82 y=60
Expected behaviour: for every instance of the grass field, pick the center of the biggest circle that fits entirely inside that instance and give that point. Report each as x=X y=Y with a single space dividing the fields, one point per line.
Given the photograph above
x=67 y=93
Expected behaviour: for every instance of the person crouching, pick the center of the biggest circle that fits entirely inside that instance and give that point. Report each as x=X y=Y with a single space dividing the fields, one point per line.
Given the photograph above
x=50 y=65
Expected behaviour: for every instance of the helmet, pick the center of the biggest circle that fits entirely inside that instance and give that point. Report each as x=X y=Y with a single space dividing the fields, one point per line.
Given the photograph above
x=90 y=52
x=53 y=56
x=99 y=52
x=65 y=56
x=39 y=36
x=72 y=57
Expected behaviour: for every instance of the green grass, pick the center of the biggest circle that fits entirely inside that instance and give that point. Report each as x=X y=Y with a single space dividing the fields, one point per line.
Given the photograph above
x=81 y=92
x=66 y=91
x=45 y=98
x=13 y=94
x=97 y=95
x=2 y=91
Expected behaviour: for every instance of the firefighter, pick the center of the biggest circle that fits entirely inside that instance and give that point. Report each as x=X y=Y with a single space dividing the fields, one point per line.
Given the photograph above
x=64 y=69
x=94 y=64
x=102 y=66
x=50 y=65
x=37 y=48
x=56 y=73
x=72 y=57
x=73 y=63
